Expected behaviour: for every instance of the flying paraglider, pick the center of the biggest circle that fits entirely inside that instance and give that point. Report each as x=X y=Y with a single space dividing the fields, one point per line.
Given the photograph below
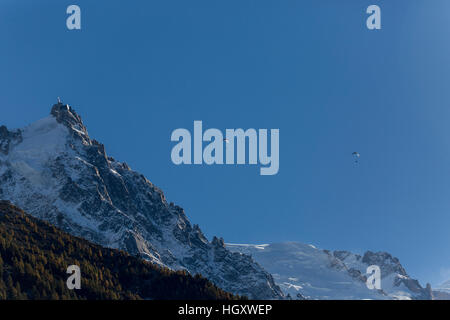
x=356 y=156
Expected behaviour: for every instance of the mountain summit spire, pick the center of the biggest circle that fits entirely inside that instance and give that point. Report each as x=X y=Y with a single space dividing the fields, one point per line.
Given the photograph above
x=67 y=116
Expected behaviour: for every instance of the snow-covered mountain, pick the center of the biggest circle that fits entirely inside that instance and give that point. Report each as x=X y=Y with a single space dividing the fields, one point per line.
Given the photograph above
x=56 y=172
x=442 y=292
x=306 y=272
x=445 y=287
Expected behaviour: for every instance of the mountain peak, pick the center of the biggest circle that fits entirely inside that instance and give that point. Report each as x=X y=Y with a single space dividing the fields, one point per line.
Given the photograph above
x=387 y=262
x=60 y=175
x=67 y=116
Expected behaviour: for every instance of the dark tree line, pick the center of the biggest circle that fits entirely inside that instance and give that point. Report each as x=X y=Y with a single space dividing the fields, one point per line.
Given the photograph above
x=34 y=257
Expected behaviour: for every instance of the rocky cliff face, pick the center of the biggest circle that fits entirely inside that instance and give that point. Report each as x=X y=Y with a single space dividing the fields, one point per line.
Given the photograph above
x=56 y=172
x=7 y=138
x=395 y=281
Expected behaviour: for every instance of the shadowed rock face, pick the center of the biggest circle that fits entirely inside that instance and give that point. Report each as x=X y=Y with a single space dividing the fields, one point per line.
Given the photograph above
x=8 y=138
x=56 y=172
x=387 y=263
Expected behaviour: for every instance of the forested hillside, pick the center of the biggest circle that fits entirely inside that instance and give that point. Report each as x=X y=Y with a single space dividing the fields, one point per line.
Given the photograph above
x=34 y=257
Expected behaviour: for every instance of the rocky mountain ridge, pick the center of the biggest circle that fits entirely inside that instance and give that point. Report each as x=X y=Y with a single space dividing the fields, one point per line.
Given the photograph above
x=56 y=172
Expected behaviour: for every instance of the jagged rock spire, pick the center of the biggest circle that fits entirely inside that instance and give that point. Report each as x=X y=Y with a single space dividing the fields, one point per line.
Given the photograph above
x=67 y=116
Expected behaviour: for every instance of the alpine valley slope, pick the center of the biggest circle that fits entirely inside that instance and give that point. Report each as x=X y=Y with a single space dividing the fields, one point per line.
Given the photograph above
x=34 y=256
x=305 y=272
x=56 y=172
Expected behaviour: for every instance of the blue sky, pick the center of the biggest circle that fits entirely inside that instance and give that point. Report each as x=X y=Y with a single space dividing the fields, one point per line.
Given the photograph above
x=140 y=69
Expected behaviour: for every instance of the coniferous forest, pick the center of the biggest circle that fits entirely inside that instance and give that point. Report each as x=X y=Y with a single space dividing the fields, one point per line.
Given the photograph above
x=34 y=257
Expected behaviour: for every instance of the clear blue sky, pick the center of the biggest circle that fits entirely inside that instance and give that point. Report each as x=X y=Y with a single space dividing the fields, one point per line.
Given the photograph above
x=140 y=69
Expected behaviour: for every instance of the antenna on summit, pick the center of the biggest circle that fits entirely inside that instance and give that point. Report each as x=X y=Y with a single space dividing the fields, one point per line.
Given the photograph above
x=59 y=101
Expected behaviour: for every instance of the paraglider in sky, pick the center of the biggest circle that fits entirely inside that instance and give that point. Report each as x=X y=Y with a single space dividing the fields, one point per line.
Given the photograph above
x=356 y=156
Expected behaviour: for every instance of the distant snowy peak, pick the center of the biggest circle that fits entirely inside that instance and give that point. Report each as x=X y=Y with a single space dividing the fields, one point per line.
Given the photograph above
x=56 y=172
x=442 y=292
x=445 y=287
x=303 y=271
x=395 y=280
